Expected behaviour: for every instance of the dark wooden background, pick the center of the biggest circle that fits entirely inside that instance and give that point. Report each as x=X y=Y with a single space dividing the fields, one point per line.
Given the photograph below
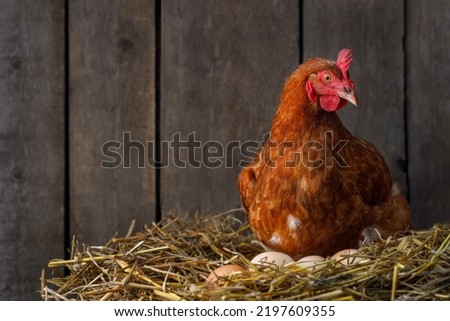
x=76 y=74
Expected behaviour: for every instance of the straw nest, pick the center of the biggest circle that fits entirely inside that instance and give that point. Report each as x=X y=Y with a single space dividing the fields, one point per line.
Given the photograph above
x=172 y=259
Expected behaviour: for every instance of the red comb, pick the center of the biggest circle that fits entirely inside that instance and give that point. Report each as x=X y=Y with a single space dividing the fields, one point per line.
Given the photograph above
x=344 y=60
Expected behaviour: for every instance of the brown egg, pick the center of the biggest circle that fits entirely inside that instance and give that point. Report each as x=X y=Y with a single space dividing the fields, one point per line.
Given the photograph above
x=342 y=258
x=309 y=262
x=224 y=270
x=272 y=259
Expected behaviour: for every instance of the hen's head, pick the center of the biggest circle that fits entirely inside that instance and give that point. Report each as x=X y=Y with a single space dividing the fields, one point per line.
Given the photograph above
x=330 y=84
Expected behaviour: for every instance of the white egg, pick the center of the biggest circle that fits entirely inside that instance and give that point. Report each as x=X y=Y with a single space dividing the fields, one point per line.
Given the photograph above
x=310 y=262
x=272 y=259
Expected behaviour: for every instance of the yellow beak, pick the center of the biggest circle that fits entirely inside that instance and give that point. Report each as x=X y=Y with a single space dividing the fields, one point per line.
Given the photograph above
x=349 y=95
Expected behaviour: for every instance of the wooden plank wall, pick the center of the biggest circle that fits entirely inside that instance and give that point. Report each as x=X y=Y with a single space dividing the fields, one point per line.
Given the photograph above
x=220 y=79
x=112 y=90
x=77 y=74
x=31 y=143
x=428 y=103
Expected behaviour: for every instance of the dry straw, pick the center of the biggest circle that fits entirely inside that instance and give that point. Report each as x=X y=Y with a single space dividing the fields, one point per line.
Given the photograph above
x=171 y=261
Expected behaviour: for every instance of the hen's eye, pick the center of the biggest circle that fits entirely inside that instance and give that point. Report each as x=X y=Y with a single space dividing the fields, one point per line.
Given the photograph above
x=327 y=77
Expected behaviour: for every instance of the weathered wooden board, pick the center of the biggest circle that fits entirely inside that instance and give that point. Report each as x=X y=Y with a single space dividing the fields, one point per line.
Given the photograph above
x=112 y=88
x=428 y=109
x=223 y=65
x=374 y=31
x=31 y=143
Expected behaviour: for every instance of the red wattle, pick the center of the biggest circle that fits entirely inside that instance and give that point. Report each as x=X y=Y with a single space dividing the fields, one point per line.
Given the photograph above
x=330 y=103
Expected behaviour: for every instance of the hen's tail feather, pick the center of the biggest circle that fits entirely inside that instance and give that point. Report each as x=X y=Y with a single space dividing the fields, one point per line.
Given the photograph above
x=389 y=218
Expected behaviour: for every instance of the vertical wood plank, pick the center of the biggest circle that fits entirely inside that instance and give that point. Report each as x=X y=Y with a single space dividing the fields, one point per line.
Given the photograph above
x=31 y=143
x=112 y=88
x=223 y=67
x=374 y=31
x=428 y=109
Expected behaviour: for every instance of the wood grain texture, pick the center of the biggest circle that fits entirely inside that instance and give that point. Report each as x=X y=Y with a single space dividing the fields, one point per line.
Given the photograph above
x=223 y=65
x=428 y=110
x=112 y=88
x=374 y=31
x=31 y=143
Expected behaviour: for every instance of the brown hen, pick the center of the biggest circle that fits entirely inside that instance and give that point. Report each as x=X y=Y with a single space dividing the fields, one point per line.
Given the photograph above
x=314 y=188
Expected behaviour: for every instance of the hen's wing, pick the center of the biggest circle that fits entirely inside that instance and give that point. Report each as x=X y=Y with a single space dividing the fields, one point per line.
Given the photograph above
x=389 y=212
x=373 y=177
